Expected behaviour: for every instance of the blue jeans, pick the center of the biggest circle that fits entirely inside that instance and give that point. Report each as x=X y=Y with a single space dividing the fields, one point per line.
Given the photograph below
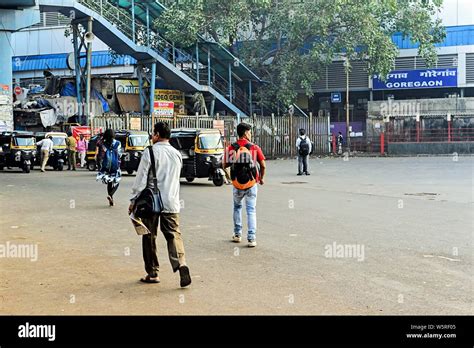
x=250 y=196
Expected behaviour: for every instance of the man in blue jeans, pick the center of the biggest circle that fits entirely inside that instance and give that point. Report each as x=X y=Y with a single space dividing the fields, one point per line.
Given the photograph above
x=247 y=164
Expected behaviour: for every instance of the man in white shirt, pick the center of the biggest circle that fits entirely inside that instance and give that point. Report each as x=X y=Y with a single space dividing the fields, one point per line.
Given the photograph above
x=46 y=148
x=304 y=148
x=168 y=163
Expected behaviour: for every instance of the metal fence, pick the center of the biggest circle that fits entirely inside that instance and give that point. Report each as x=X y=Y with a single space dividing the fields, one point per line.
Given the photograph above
x=431 y=128
x=275 y=135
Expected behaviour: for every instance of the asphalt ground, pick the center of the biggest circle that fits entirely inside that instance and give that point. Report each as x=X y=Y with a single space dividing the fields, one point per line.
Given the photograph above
x=363 y=236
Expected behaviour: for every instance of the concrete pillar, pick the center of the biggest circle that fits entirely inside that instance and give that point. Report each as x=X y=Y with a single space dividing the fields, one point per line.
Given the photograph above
x=10 y=21
x=6 y=54
x=6 y=75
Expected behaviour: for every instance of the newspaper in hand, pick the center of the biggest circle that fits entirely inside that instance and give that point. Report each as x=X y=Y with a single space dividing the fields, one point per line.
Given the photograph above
x=139 y=226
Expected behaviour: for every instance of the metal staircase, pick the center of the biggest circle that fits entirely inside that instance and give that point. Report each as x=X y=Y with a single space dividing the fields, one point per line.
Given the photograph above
x=126 y=27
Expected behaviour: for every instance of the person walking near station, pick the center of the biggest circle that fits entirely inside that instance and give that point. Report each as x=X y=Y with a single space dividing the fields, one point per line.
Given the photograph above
x=46 y=148
x=110 y=173
x=71 y=151
x=82 y=149
x=303 y=145
x=167 y=164
x=247 y=170
x=340 y=141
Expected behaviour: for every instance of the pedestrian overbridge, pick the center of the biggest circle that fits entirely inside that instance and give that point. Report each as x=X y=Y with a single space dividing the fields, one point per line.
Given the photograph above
x=125 y=26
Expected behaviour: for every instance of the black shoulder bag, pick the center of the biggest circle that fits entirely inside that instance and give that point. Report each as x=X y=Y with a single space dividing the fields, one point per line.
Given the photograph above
x=149 y=201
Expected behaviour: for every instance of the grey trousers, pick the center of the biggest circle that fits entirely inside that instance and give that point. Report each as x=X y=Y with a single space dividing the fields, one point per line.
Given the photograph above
x=302 y=164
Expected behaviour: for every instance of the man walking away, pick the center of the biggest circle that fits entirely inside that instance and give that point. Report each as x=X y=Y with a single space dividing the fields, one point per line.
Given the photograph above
x=247 y=169
x=46 y=148
x=340 y=141
x=168 y=163
x=303 y=145
x=71 y=151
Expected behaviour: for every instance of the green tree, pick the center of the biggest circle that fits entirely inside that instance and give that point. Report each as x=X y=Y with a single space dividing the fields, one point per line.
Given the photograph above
x=290 y=42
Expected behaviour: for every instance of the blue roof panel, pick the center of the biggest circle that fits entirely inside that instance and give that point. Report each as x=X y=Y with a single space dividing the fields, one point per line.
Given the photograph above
x=58 y=61
x=462 y=35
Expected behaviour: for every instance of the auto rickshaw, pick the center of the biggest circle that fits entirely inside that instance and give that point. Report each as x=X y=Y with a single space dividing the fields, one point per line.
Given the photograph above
x=133 y=144
x=17 y=149
x=91 y=152
x=202 y=151
x=58 y=157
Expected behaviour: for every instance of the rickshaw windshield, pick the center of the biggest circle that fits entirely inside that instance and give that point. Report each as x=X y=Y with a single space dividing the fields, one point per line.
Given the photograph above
x=182 y=143
x=18 y=141
x=138 y=140
x=59 y=141
x=210 y=142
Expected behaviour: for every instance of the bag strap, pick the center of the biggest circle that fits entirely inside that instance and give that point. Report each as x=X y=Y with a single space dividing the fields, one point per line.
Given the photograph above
x=153 y=169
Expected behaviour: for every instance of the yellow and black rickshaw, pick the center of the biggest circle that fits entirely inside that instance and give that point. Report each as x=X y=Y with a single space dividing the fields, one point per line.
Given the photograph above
x=133 y=144
x=17 y=149
x=202 y=151
x=58 y=157
x=91 y=153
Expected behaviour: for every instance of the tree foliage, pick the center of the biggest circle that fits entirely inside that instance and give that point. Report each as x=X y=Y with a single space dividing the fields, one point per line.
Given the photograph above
x=289 y=42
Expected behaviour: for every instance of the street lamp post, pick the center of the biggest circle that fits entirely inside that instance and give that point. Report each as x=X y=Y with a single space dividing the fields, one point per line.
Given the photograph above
x=348 y=138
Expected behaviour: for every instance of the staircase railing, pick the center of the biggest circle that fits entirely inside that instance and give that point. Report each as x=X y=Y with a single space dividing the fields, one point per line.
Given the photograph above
x=180 y=58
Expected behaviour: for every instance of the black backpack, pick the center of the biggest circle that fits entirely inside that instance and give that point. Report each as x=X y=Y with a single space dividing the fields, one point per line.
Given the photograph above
x=304 y=147
x=243 y=171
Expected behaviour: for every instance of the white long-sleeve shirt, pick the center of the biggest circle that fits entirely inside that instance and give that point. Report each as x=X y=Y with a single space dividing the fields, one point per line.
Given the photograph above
x=298 y=142
x=46 y=144
x=168 y=163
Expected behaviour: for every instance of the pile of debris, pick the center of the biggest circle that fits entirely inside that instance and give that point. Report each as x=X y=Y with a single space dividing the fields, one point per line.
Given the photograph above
x=37 y=109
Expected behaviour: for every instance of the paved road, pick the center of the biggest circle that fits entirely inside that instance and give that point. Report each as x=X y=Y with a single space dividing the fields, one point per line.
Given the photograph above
x=410 y=220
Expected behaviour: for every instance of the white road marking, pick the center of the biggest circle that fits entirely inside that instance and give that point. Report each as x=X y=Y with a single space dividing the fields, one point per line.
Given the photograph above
x=443 y=257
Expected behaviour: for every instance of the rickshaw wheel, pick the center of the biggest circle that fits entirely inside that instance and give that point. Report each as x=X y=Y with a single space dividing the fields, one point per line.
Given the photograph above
x=60 y=167
x=129 y=171
x=26 y=169
x=91 y=166
x=189 y=179
x=218 y=181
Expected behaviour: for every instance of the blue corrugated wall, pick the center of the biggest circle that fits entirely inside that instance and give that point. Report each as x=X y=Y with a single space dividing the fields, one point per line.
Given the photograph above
x=58 y=61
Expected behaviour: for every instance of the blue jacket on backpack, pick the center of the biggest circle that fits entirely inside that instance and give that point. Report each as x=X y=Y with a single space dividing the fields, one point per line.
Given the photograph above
x=111 y=157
